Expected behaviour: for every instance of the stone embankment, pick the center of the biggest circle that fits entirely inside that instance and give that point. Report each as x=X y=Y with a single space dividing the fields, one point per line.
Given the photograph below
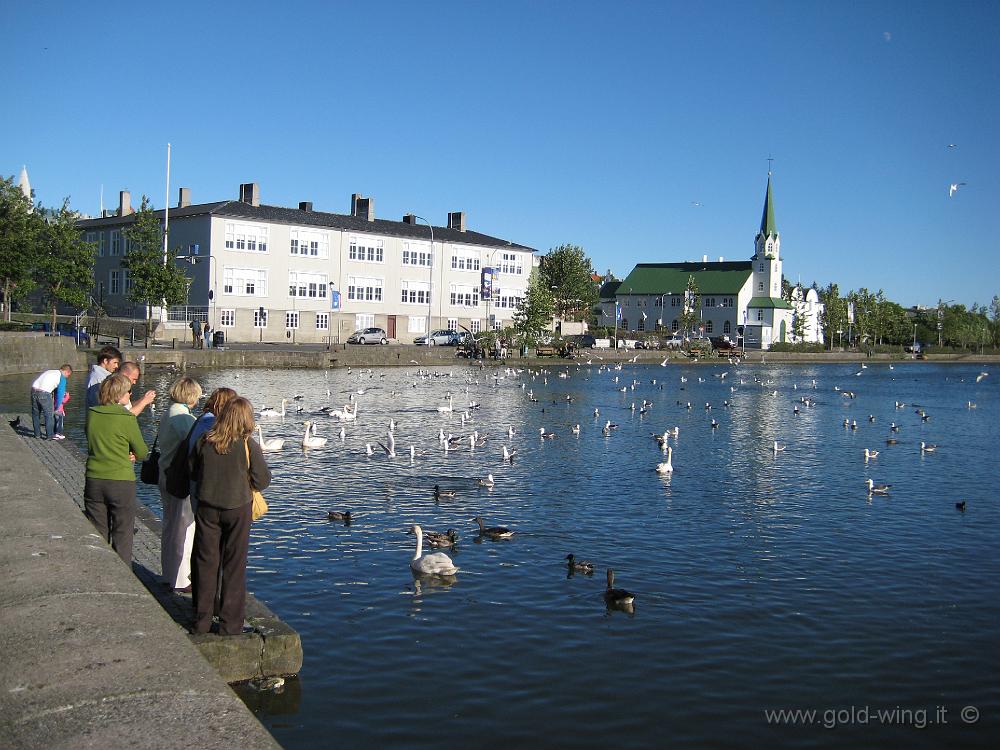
x=90 y=657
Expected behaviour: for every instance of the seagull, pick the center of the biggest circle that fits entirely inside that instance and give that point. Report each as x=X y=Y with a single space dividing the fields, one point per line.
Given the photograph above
x=953 y=188
x=869 y=454
x=878 y=489
x=981 y=376
x=508 y=455
x=487 y=481
x=927 y=447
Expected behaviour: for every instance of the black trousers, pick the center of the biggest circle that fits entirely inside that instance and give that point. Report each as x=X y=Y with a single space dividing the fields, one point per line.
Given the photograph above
x=221 y=541
x=110 y=506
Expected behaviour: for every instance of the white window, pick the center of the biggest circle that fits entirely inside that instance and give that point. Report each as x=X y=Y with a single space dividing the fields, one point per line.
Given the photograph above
x=496 y=322
x=760 y=315
x=415 y=292
x=322 y=321
x=465 y=260
x=453 y=324
x=364 y=289
x=510 y=263
x=227 y=318
x=116 y=242
x=309 y=243
x=368 y=250
x=760 y=286
x=309 y=285
x=244 y=282
x=416 y=324
x=464 y=296
x=417 y=254
x=292 y=320
x=246 y=238
x=115 y=282
x=726 y=327
x=259 y=319
x=475 y=325
x=363 y=321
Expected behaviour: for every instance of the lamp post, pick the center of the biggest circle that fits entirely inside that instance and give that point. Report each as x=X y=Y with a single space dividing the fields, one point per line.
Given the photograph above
x=913 y=349
x=940 y=319
x=430 y=276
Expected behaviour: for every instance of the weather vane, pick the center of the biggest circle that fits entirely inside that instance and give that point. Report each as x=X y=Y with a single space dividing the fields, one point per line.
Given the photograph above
x=769 y=160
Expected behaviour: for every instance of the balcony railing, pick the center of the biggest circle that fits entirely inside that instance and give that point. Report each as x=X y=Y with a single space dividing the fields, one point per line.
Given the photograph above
x=187 y=313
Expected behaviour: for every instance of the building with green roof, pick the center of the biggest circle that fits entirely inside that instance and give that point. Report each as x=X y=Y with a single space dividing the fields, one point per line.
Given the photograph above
x=741 y=299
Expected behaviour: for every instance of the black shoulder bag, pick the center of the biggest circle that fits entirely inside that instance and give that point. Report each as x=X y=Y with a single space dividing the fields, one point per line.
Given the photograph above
x=150 y=471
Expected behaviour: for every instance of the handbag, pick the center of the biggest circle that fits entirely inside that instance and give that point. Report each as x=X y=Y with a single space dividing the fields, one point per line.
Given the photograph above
x=259 y=503
x=150 y=471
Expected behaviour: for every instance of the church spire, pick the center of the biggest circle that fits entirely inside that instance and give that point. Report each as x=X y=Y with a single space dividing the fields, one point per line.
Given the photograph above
x=767 y=225
x=23 y=184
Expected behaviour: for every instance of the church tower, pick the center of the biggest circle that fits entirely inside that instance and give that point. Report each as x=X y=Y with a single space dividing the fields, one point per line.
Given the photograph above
x=767 y=259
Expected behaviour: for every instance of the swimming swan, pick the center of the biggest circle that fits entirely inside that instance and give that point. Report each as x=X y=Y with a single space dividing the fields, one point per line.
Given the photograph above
x=311 y=441
x=666 y=467
x=434 y=564
x=267 y=412
x=269 y=446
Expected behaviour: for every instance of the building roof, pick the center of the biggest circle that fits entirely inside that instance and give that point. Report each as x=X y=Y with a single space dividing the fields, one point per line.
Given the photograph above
x=769 y=302
x=727 y=277
x=767 y=225
x=297 y=217
x=608 y=290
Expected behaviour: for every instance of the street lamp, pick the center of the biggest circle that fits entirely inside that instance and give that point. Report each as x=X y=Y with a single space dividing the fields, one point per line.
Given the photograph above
x=940 y=319
x=430 y=276
x=193 y=260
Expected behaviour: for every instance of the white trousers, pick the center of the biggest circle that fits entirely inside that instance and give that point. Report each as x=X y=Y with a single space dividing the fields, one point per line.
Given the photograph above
x=178 y=538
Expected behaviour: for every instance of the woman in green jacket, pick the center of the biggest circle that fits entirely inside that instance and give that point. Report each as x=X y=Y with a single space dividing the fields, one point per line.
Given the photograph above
x=115 y=443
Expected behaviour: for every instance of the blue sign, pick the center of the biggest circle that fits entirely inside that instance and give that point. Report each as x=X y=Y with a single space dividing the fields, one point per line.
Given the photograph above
x=334 y=299
x=618 y=311
x=486 y=291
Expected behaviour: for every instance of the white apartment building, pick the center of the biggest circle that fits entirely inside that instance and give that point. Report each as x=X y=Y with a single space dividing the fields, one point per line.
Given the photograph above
x=271 y=273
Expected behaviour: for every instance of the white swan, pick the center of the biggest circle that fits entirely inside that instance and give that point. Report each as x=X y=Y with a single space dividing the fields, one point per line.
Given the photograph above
x=446 y=410
x=666 y=467
x=267 y=412
x=309 y=440
x=778 y=447
x=434 y=564
x=269 y=446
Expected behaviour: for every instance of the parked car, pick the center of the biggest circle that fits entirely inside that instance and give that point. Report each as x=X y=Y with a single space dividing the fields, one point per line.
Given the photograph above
x=674 y=342
x=463 y=338
x=442 y=337
x=368 y=336
x=723 y=343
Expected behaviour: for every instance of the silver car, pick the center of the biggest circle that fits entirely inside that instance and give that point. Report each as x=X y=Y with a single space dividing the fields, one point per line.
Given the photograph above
x=368 y=336
x=442 y=337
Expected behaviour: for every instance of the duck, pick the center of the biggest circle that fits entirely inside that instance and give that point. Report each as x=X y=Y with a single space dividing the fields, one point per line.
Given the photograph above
x=487 y=481
x=579 y=566
x=268 y=412
x=433 y=564
x=494 y=532
x=891 y=441
x=666 y=467
x=878 y=489
x=437 y=539
x=960 y=506
x=269 y=446
x=336 y=515
x=310 y=440
x=616 y=597
x=439 y=493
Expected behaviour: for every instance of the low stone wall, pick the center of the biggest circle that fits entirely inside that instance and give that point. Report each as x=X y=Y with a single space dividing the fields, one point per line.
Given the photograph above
x=34 y=352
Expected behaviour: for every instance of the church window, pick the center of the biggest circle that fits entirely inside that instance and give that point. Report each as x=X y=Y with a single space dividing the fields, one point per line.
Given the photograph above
x=726 y=327
x=708 y=326
x=760 y=286
x=760 y=315
x=761 y=268
x=674 y=326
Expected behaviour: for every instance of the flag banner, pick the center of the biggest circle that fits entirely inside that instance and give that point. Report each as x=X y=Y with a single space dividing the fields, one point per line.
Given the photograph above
x=486 y=291
x=334 y=299
x=618 y=311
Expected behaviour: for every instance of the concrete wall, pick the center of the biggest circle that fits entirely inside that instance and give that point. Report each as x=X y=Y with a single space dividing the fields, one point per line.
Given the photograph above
x=35 y=352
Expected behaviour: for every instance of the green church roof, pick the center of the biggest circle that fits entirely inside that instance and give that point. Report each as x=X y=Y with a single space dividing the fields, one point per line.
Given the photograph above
x=769 y=302
x=672 y=278
x=767 y=225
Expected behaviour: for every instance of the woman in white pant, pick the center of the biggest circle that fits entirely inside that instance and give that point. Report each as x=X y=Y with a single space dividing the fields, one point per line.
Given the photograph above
x=178 y=517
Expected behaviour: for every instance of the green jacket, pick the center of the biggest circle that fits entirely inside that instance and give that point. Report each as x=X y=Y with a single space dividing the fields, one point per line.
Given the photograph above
x=112 y=431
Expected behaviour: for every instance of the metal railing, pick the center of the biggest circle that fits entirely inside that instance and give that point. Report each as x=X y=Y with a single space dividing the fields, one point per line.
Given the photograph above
x=187 y=313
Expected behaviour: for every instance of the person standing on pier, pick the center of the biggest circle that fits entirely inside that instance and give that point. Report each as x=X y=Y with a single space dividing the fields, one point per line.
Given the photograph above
x=108 y=361
x=114 y=443
x=196 y=334
x=131 y=371
x=48 y=388
x=225 y=461
x=178 y=518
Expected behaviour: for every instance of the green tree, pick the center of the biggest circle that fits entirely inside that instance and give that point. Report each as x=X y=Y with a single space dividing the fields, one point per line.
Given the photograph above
x=566 y=271
x=833 y=318
x=64 y=268
x=19 y=230
x=153 y=280
x=798 y=321
x=692 y=303
x=534 y=313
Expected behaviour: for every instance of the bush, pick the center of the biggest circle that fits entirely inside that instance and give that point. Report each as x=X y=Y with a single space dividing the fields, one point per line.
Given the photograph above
x=801 y=347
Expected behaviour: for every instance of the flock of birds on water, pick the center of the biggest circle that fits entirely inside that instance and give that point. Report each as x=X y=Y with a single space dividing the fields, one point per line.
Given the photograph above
x=439 y=564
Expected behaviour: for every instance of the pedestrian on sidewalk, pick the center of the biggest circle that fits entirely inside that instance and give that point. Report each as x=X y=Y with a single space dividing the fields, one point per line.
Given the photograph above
x=48 y=388
x=207 y=335
x=225 y=461
x=109 y=358
x=195 y=334
x=114 y=444
x=178 y=517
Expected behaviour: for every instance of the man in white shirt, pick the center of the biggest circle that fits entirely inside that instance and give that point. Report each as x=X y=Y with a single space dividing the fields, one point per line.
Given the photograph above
x=48 y=387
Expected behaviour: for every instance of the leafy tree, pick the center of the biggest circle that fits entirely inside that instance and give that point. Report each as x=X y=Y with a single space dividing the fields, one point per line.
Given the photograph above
x=798 y=321
x=19 y=229
x=65 y=263
x=566 y=271
x=692 y=301
x=153 y=281
x=834 y=315
x=534 y=313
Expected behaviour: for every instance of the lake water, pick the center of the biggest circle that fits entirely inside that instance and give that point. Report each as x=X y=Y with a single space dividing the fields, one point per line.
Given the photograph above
x=763 y=581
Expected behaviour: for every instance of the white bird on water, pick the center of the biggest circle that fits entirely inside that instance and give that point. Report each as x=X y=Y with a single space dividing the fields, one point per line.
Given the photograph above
x=269 y=446
x=309 y=440
x=268 y=412
x=666 y=467
x=434 y=564
x=508 y=455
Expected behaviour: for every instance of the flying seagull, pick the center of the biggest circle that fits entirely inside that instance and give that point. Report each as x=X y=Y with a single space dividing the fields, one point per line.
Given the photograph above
x=952 y=145
x=953 y=188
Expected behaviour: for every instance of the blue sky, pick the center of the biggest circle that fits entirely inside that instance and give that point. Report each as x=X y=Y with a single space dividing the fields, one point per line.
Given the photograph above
x=596 y=124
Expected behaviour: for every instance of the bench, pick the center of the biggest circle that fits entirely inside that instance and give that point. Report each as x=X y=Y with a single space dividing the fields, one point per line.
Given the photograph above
x=545 y=351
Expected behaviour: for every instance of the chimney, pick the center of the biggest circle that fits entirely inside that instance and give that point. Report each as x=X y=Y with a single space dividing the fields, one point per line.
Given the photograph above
x=363 y=208
x=124 y=203
x=183 y=197
x=456 y=220
x=250 y=193
x=704 y=258
x=306 y=206
x=409 y=218
x=722 y=259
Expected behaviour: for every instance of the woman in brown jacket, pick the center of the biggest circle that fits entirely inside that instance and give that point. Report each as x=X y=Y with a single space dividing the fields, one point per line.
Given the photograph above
x=224 y=462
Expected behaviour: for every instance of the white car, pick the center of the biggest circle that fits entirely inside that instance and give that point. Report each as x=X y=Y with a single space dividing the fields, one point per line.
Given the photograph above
x=368 y=336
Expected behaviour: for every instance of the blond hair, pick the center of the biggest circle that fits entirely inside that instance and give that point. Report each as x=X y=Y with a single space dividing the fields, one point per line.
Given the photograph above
x=218 y=400
x=234 y=423
x=185 y=391
x=113 y=388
